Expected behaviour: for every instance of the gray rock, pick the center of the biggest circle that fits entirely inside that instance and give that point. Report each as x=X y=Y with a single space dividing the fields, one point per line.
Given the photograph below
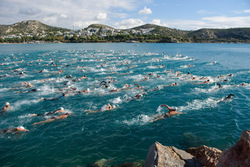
x=167 y=156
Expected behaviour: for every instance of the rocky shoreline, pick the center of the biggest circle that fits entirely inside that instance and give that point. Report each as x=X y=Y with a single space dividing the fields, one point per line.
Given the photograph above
x=203 y=156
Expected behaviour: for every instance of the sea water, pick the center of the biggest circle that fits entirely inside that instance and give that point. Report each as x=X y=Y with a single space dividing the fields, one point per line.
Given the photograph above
x=125 y=133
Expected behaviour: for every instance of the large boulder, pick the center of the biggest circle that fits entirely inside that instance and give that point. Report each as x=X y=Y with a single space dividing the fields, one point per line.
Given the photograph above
x=207 y=155
x=167 y=156
x=239 y=154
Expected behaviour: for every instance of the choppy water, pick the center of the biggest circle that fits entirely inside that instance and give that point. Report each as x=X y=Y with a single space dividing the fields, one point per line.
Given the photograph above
x=125 y=133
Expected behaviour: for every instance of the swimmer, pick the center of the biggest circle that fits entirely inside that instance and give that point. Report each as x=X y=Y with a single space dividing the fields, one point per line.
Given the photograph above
x=139 y=87
x=29 y=85
x=72 y=88
x=171 y=112
x=243 y=84
x=203 y=78
x=83 y=77
x=60 y=71
x=114 y=90
x=138 y=96
x=63 y=116
x=61 y=109
x=7 y=106
x=230 y=96
x=21 y=73
x=3 y=76
x=70 y=76
x=219 y=85
x=172 y=84
x=205 y=82
x=83 y=91
x=108 y=107
x=58 y=98
x=42 y=71
x=126 y=86
x=14 y=130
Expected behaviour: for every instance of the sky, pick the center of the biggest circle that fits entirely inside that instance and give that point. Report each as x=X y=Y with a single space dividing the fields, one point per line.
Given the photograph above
x=122 y=14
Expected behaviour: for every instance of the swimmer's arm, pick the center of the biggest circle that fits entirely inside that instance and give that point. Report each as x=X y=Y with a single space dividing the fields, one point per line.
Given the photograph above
x=166 y=106
x=90 y=111
x=46 y=121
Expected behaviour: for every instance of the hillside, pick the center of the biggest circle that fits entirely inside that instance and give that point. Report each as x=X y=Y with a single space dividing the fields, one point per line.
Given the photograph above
x=103 y=33
x=99 y=26
x=29 y=26
x=242 y=34
x=161 y=30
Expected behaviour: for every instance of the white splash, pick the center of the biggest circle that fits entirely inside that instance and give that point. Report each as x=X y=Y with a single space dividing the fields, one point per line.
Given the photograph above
x=116 y=100
x=139 y=120
x=199 y=104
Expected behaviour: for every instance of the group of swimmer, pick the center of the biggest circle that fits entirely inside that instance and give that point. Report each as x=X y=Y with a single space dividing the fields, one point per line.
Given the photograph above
x=105 y=84
x=22 y=129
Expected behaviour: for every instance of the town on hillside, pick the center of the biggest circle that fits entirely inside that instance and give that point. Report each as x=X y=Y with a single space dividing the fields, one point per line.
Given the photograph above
x=36 y=32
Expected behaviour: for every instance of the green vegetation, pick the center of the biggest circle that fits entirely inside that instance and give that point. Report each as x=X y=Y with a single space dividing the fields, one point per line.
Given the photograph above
x=30 y=31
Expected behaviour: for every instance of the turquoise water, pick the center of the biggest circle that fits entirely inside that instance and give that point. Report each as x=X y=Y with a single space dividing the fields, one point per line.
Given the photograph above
x=125 y=133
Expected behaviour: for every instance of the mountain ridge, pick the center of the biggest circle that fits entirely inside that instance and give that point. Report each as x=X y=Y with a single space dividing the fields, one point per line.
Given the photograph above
x=200 y=35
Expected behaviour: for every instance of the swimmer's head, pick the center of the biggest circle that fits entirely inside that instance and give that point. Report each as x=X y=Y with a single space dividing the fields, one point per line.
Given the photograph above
x=61 y=108
x=114 y=106
x=7 y=103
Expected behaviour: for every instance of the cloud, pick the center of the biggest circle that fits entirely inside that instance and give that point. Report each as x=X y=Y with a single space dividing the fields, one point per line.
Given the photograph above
x=65 y=12
x=206 y=22
x=203 y=12
x=64 y=16
x=128 y=23
x=29 y=11
x=101 y=16
x=223 y=21
x=50 y=20
x=145 y=11
x=83 y=24
x=156 y=21
x=246 y=11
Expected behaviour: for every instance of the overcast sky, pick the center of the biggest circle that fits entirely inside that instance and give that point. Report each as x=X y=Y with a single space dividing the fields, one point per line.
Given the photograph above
x=180 y=14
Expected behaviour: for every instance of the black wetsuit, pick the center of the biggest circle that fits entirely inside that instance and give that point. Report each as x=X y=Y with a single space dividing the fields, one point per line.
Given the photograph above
x=48 y=113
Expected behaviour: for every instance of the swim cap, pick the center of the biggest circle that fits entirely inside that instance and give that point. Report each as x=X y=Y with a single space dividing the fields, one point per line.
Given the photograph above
x=61 y=108
x=114 y=106
x=21 y=127
x=7 y=103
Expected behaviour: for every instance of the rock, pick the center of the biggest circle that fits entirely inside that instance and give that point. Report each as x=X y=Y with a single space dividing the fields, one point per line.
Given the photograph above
x=239 y=154
x=207 y=155
x=167 y=156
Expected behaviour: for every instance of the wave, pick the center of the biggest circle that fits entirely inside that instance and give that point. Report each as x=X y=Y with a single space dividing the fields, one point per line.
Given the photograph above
x=199 y=104
x=17 y=105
